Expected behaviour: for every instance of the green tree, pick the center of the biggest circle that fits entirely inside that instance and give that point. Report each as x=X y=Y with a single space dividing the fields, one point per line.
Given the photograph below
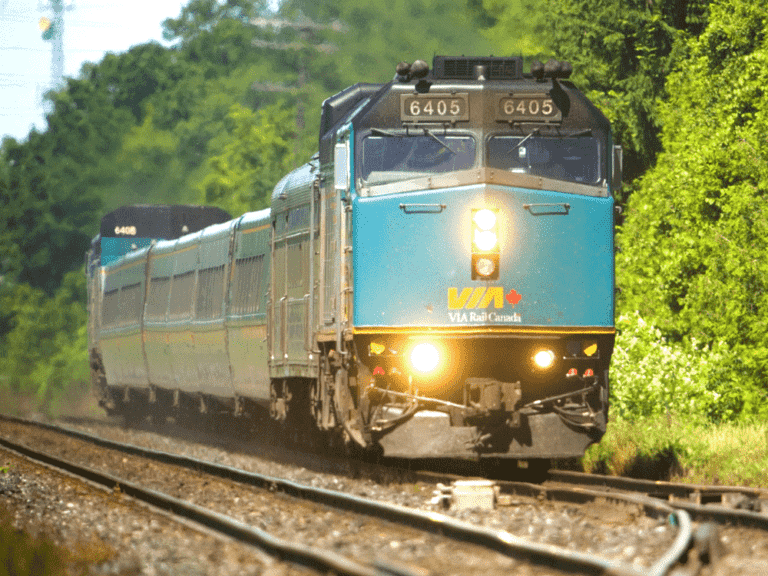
x=379 y=34
x=621 y=51
x=695 y=242
x=45 y=214
x=256 y=151
x=45 y=349
x=201 y=16
x=513 y=26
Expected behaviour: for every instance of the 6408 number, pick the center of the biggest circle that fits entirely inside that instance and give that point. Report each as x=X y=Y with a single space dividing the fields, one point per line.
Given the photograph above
x=125 y=230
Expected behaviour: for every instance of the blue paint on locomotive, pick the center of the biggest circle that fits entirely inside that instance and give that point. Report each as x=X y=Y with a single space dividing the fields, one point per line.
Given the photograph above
x=412 y=267
x=112 y=249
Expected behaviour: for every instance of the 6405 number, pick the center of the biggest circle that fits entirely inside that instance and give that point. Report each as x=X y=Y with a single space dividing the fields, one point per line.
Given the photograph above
x=434 y=108
x=521 y=108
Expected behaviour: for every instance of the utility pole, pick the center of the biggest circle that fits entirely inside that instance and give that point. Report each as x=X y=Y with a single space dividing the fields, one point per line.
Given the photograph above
x=306 y=29
x=53 y=31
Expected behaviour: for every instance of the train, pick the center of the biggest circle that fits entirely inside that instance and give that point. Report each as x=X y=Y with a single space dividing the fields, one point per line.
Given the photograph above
x=437 y=281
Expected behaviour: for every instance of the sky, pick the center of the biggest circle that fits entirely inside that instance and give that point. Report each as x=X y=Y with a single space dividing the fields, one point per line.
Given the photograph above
x=91 y=29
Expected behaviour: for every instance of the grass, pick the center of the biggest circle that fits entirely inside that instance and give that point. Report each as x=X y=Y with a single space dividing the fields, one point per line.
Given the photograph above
x=21 y=553
x=692 y=451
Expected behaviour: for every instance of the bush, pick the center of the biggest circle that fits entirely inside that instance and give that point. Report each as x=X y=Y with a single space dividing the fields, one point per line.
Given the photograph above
x=44 y=354
x=653 y=376
x=693 y=249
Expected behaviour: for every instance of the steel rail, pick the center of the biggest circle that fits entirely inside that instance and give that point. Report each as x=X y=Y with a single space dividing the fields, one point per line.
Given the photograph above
x=314 y=558
x=652 y=507
x=673 y=492
x=497 y=540
x=675 y=489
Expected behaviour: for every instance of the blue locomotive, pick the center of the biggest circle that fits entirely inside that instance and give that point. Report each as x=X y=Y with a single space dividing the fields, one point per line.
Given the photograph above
x=438 y=281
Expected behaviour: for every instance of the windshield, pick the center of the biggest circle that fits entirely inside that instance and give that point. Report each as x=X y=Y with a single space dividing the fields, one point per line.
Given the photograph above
x=393 y=157
x=570 y=159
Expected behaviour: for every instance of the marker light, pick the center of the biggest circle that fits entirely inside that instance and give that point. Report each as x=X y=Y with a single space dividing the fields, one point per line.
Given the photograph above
x=485 y=266
x=544 y=358
x=425 y=357
x=376 y=348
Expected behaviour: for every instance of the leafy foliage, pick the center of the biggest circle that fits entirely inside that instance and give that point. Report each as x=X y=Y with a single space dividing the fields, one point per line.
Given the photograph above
x=256 y=151
x=652 y=376
x=621 y=51
x=381 y=33
x=696 y=235
x=513 y=27
x=44 y=213
x=45 y=349
x=200 y=17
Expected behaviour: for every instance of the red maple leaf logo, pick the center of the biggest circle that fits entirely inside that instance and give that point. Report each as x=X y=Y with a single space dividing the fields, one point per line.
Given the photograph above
x=513 y=297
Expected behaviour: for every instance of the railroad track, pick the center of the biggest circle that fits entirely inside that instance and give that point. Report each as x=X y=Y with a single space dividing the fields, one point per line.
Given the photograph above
x=498 y=541
x=317 y=559
x=737 y=505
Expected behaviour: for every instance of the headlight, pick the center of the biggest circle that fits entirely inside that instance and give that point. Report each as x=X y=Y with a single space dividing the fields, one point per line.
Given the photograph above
x=544 y=359
x=485 y=244
x=425 y=357
x=485 y=219
x=485 y=240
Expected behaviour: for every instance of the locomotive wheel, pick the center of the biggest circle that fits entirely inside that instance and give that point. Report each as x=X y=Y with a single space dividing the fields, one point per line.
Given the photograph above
x=538 y=469
x=133 y=408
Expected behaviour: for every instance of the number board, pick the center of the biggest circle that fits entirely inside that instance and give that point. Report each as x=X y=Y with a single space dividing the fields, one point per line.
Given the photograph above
x=125 y=230
x=528 y=108
x=434 y=107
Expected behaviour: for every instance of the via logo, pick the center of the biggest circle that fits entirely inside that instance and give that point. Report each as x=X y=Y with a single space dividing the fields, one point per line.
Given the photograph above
x=481 y=297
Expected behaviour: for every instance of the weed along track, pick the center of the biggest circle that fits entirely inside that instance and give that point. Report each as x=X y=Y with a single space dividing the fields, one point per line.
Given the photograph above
x=371 y=531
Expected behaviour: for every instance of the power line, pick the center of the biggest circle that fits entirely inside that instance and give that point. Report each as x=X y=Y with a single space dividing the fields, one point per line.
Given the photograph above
x=11 y=76
x=66 y=50
x=306 y=29
x=74 y=24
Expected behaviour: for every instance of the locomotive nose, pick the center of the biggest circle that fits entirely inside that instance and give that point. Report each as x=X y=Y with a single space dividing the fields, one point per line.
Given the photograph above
x=482 y=255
